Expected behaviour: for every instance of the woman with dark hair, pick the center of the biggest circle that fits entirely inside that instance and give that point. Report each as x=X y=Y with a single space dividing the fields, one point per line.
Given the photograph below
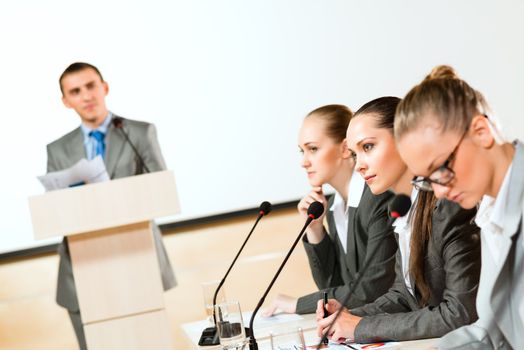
x=438 y=261
x=357 y=220
x=450 y=141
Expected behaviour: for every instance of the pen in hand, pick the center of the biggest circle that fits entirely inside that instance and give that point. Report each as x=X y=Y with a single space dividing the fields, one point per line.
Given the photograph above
x=325 y=340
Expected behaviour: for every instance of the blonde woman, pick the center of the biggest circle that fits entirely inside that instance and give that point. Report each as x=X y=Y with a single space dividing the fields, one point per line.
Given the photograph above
x=357 y=220
x=447 y=139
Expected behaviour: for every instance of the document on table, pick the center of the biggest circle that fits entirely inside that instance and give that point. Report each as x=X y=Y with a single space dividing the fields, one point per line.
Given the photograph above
x=355 y=346
x=337 y=346
x=83 y=172
x=261 y=321
x=385 y=345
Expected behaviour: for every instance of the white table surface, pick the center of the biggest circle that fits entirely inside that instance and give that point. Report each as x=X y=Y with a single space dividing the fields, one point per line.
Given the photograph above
x=307 y=322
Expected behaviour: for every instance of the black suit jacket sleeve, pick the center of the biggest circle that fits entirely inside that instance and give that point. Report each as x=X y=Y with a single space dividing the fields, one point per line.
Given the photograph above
x=324 y=256
x=372 y=234
x=452 y=271
x=323 y=261
x=396 y=300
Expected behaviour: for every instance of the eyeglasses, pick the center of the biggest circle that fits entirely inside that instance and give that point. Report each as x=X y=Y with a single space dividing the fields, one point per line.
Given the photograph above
x=442 y=176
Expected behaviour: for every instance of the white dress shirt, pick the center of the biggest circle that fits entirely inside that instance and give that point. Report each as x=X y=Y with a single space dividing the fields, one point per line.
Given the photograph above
x=339 y=209
x=402 y=227
x=490 y=219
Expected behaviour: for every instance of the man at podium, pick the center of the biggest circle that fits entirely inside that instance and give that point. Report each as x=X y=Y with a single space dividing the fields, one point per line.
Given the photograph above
x=128 y=148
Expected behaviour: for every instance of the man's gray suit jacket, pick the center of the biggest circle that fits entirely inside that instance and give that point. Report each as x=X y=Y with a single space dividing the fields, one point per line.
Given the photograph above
x=452 y=269
x=120 y=162
x=335 y=271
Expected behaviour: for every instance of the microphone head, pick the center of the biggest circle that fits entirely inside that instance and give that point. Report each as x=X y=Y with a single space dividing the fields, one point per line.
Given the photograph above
x=265 y=208
x=399 y=206
x=118 y=122
x=315 y=210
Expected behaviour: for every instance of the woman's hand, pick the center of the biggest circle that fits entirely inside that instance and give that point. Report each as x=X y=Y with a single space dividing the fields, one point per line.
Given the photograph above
x=343 y=329
x=282 y=302
x=315 y=231
x=332 y=306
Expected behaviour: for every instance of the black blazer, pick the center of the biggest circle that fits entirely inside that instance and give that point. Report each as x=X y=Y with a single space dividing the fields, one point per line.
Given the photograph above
x=452 y=270
x=334 y=271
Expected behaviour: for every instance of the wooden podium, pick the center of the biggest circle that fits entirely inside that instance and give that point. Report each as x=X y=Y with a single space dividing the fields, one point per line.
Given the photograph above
x=112 y=250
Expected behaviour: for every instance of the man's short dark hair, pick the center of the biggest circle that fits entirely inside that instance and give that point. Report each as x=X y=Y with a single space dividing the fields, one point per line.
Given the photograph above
x=77 y=67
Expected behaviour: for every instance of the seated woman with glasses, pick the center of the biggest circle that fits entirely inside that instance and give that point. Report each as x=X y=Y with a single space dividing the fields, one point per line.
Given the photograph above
x=438 y=262
x=436 y=116
x=357 y=220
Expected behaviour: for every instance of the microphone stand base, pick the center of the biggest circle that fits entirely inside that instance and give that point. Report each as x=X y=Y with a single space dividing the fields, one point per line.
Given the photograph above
x=209 y=337
x=252 y=341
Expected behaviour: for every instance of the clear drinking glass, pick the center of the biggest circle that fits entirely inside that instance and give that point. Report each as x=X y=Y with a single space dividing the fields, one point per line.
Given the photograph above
x=230 y=325
x=209 y=288
x=293 y=340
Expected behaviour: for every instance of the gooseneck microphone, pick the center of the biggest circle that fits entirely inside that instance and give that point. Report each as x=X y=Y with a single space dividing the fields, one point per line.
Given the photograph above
x=398 y=207
x=118 y=123
x=209 y=335
x=314 y=211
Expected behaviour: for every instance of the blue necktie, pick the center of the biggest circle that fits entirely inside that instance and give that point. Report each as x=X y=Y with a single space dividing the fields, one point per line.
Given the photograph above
x=100 y=146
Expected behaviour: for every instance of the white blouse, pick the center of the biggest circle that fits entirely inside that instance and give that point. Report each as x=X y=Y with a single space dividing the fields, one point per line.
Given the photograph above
x=402 y=226
x=339 y=209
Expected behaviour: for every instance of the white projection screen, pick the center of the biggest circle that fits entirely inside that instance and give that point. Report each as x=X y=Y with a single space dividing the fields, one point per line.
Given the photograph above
x=227 y=82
